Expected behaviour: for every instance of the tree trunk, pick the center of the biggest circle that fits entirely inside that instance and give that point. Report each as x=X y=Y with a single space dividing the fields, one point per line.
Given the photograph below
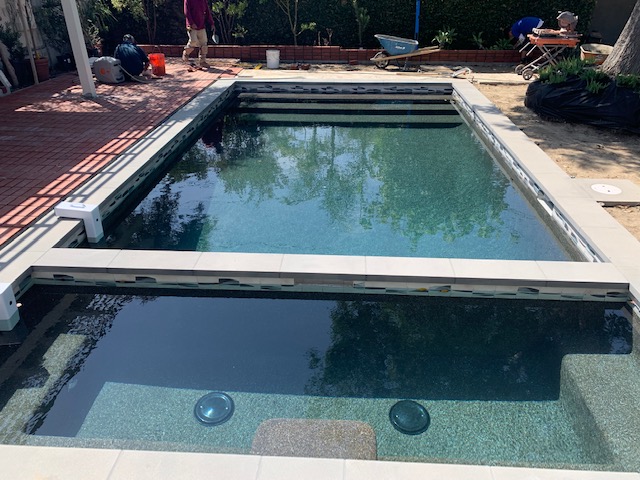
x=625 y=57
x=4 y=58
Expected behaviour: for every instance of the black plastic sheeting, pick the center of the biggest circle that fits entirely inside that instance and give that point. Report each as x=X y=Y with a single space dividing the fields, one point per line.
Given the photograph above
x=614 y=107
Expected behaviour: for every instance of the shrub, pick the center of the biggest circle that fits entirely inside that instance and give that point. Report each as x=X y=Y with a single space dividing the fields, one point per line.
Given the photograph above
x=445 y=37
x=569 y=67
x=11 y=38
x=629 y=81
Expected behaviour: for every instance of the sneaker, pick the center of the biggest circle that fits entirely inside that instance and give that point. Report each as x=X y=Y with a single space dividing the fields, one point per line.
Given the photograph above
x=185 y=57
x=204 y=64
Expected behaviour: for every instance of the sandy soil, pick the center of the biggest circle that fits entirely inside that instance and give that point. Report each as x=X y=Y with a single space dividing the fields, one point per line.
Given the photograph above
x=582 y=151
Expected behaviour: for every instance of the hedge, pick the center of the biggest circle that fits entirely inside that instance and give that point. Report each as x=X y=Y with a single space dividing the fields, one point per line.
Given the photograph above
x=266 y=24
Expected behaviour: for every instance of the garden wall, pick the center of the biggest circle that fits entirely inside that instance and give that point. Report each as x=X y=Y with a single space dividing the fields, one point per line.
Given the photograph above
x=334 y=54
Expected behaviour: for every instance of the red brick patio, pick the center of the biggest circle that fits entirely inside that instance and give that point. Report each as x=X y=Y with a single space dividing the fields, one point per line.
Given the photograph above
x=52 y=139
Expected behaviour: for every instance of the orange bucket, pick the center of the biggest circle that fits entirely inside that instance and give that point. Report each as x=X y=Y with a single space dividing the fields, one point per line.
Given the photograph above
x=157 y=63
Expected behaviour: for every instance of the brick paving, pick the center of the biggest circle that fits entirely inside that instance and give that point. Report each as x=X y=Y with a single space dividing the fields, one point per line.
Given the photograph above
x=52 y=139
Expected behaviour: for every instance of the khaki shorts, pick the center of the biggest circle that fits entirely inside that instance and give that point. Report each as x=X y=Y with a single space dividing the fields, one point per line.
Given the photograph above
x=197 y=38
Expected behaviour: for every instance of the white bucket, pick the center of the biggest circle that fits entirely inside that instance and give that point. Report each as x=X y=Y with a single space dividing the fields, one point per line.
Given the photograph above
x=273 y=58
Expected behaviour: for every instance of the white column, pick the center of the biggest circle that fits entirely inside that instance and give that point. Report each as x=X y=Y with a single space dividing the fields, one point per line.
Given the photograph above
x=70 y=9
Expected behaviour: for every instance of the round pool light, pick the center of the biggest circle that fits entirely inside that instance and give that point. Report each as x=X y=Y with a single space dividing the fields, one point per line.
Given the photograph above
x=214 y=408
x=409 y=417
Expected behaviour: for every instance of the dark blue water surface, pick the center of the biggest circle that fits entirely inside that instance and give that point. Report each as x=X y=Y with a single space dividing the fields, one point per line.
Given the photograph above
x=323 y=345
x=392 y=180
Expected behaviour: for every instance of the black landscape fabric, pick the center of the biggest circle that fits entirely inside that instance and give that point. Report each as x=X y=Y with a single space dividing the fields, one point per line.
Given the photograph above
x=615 y=107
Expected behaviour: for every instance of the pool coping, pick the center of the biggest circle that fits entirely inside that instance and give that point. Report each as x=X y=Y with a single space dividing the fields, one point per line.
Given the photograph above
x=21 y=462
x=35 y=257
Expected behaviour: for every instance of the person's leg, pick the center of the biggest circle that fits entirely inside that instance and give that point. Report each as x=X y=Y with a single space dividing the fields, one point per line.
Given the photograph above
x=191 y=44
x=202 y=41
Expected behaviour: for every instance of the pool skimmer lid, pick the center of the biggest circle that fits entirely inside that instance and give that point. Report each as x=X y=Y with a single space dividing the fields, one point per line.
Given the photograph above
x=214 y=408
x=606 y=189
x=409 y=417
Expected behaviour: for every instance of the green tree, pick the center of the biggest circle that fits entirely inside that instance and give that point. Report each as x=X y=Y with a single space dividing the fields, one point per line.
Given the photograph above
x=146 y=10
x=362 y=19
x=290 y=8
x=227 y=13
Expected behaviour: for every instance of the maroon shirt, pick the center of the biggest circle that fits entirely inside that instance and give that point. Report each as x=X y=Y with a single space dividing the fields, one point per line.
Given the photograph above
x=197 y=13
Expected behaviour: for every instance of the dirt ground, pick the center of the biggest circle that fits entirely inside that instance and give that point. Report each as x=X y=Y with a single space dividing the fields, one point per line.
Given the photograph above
x=582 y=151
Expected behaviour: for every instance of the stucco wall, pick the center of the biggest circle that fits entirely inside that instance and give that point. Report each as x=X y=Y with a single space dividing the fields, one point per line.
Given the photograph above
x=610 y=17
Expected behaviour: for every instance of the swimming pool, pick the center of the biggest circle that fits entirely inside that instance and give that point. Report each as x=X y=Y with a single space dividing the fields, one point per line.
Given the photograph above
x=360 y=174
x=501 y=379
x=587 y=227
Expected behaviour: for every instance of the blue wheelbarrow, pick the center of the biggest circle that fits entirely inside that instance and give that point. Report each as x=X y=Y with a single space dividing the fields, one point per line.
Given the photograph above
x=396 y=48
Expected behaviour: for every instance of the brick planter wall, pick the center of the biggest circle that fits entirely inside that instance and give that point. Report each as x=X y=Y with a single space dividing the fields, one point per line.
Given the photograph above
x=335 y=54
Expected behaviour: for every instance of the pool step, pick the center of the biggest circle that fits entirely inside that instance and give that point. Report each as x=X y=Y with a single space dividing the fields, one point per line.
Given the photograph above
x=365 y=109
x=444 y=121
x=602 y=392
x=345 y=98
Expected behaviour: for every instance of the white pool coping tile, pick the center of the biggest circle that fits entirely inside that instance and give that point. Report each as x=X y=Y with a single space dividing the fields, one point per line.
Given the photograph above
x=146 y=465
x=508 y=473
x=247 y=264
x=34 y=463
x=629 y=193
x=330 y=267
x=70 y=259
x=154 y=261
x=367 y=470
x=395 y=269
x=498 y=272
x=586 y=212
x=290 y=468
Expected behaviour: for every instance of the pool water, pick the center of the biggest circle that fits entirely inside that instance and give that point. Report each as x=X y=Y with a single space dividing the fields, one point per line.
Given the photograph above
x=109 y=367
x=344 y=177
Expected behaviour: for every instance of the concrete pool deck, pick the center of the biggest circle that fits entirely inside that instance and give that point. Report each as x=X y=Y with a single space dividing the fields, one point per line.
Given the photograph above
x=32 y=250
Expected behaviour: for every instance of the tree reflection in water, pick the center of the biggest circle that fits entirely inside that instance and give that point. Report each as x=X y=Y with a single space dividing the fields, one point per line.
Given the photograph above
x=462 y=349
x=396 y=190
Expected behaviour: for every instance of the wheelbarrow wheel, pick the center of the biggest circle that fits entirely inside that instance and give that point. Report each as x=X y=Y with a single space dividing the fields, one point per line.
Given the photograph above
x=527 y=74
x=380 y=59
x=519 y=69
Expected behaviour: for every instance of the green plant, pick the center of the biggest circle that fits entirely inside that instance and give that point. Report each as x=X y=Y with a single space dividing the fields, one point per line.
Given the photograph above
x=551 y=74
x=445 y=37
x=50 y=19
x=629 y=81
x=593 y=75
x=362 y=19
x=146 y=10
x=290 y=8
x=325 y=41
x=227 y=13
x=595 y=87
x=478 y=40
x=11 y=39
x=239 y=32
x=570 y=67
x=502 y=44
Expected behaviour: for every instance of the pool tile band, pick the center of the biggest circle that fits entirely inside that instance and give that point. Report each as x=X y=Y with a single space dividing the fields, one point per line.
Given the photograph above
x=407 y=276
